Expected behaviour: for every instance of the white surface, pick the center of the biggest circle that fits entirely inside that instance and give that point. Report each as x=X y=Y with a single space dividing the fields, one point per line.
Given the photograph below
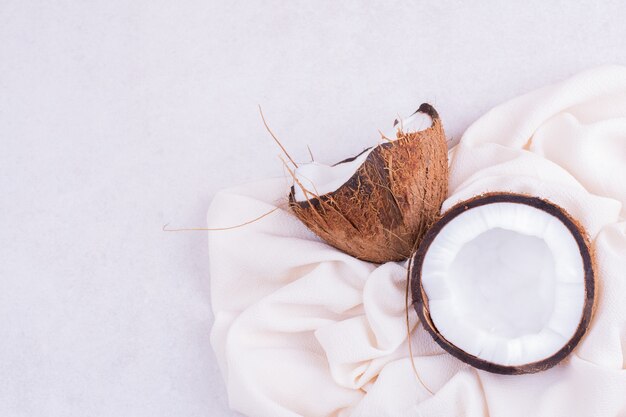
x=505 y=280
x=119 y=117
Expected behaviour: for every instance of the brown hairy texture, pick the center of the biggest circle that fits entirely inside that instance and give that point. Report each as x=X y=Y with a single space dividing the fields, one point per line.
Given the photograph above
x=383 y=210
x=420 y=300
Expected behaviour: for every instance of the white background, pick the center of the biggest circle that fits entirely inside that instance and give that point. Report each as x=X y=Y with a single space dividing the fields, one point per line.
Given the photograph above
x=117 y=117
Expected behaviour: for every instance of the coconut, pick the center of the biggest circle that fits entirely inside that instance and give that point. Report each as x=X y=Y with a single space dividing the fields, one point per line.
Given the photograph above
x=505 y=283
x=377 y=205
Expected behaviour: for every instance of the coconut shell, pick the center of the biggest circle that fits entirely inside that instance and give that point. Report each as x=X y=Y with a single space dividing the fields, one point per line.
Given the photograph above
x=420 y=300
x=383 y=210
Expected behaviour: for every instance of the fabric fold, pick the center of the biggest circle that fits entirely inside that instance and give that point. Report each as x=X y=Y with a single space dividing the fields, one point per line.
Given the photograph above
x=302 y=329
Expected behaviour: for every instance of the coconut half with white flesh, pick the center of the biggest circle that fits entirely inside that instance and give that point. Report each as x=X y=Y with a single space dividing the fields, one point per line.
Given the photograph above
x=505 y=283
x=377 y=205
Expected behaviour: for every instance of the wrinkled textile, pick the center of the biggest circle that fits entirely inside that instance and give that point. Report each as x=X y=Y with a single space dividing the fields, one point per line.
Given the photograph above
x=302 y=329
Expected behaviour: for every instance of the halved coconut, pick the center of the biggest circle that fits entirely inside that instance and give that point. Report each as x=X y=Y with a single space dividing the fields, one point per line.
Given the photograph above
x=377 y=205
x=505 y=283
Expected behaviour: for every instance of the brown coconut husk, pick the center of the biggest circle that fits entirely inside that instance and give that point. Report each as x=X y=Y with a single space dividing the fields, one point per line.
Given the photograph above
x=420 y=299
x=383 y=210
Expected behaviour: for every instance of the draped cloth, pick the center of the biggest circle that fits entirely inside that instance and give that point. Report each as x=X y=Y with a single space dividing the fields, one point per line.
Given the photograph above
x=302 y=329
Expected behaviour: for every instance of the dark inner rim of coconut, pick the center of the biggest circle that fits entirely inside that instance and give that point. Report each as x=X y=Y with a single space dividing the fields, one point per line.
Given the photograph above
x=420 y=301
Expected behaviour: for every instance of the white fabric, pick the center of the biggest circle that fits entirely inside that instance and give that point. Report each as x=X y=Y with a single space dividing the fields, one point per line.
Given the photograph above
x=302 y=329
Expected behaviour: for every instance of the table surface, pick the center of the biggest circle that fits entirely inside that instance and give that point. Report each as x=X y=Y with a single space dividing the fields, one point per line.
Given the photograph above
x=119 y=117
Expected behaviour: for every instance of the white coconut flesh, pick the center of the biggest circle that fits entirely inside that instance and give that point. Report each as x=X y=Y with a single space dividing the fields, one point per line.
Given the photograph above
x=319 y=179
x=505 y=283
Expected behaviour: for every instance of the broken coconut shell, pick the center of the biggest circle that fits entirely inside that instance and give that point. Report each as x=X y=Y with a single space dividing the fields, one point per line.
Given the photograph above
x=382 y=211
x=504 y=322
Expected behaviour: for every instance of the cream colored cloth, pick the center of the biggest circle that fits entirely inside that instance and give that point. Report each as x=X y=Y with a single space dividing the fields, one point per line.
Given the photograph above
x=302 y=329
